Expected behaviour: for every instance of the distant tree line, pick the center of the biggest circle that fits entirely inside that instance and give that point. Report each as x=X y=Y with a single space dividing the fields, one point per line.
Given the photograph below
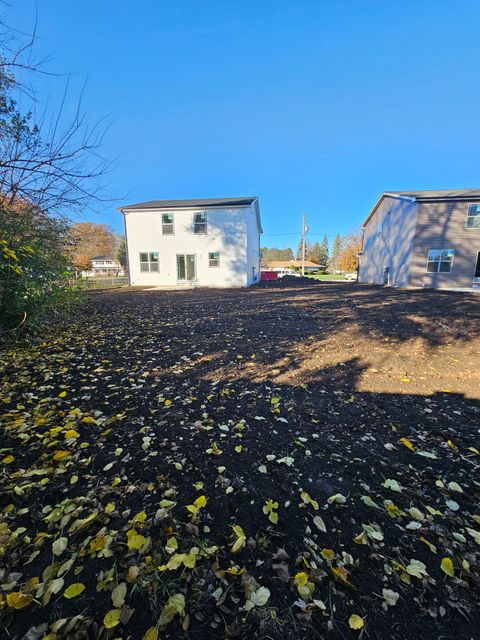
x=342 y=255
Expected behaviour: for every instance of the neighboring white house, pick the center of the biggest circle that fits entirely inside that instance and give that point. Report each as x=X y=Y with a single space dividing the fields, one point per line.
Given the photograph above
x=104 y=266
x=211 y=242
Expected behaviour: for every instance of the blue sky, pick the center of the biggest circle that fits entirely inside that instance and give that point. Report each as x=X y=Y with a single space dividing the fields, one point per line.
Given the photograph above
x=314 y=106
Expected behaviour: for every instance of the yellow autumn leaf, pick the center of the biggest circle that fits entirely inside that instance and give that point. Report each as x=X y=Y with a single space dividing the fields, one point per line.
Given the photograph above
x=110 y=508
x=407 y=443
x=71 y=433
x=201 y=501
x=341 y=575
x=135 y=540
x=74 y=590
x=97 y=544
x=62 y=394
x=328 y=554
x=431 y=546
x=151 y=634
x=190 y=560
x=140 y=517
x=112 y=618
x=18 y=600
x=446 y=566
x=239 y=532
x=8 y=459
x=355 y=622
x=301 y=579
x=60 y=454
x=241 y=538
x=235 y=570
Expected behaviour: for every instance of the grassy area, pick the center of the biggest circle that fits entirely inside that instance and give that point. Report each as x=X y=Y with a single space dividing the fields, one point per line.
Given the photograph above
x=332 y=277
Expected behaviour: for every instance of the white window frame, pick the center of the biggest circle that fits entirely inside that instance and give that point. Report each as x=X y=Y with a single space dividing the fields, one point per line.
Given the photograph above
x=214 y=262
x=439 y=262
x=200 y=233
x=168 y=225
x=149 y=261
x=471 y=204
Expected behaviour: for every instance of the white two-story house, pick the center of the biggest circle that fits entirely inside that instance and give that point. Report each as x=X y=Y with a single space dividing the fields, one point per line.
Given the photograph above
x=209 y=243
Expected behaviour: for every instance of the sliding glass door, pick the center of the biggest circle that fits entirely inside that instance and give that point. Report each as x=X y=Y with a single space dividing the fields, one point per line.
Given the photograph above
x=186 y=267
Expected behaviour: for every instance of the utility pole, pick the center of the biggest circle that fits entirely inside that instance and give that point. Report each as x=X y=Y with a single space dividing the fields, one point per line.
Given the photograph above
x=304 y=231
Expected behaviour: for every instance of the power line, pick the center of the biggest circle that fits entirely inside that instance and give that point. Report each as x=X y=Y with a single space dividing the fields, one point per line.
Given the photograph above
x=271 y=235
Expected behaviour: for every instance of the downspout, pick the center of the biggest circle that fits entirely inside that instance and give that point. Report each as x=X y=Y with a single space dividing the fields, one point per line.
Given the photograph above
x=126 y=247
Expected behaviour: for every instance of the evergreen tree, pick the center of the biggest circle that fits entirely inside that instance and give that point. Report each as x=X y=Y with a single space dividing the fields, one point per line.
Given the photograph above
x=324 y=252
x=299 y=255
x=122 y=253
x=336 y=251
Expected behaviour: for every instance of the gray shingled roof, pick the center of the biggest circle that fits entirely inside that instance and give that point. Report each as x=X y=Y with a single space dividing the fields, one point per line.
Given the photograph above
x=439 y=194
x=432 y=195
x=188 y=204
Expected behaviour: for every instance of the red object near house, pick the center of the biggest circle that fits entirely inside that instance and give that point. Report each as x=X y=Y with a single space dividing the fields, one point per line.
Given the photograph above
x=269 y=275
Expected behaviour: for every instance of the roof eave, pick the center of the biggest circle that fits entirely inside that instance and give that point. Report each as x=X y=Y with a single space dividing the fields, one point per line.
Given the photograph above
x=386 y=194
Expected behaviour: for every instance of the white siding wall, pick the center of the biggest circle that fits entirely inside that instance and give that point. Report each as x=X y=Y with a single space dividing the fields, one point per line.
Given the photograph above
x=388 y=242
x=227 y=232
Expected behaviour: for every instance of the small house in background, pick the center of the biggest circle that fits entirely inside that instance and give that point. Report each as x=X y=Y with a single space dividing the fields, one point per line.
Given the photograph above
x=211 y=242
x=103 y=266
x=423 y=239
x=296 y=265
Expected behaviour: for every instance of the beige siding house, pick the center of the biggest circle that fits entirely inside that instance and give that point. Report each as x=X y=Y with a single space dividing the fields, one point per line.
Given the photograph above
x=423 y=239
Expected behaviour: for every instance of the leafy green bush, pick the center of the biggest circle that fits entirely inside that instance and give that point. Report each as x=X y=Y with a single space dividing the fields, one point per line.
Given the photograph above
x=35 y=274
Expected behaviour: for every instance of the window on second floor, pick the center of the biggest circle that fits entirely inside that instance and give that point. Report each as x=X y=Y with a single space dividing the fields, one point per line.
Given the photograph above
x=149 y=262
x=200 y=222
x=473 y=217
x=440 y=260
x=167 y=224
x=214 y=259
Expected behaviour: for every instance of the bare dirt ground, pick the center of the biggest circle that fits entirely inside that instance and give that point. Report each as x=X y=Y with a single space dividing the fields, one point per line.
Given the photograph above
x=289 y=461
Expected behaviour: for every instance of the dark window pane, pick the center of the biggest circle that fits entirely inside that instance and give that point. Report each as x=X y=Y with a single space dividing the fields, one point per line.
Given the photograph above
x=144 y=266
x=445 y=267
x=144 y=257
x=432 y=266
x=473 y=222
x=154 y=266
x=167 y=218
x=201 y=216
x=181 y=267
x=214 y=259
x=154 y=256
x=200 y=227
x=190 y=267
x=477 y=266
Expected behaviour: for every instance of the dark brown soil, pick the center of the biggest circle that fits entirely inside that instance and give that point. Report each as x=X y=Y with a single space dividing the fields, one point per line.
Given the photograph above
x=337 y=390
